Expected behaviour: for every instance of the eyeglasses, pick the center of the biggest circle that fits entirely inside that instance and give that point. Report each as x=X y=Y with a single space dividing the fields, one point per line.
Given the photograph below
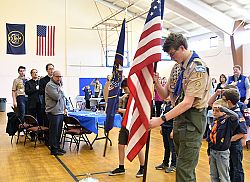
x=171 y=54
x=58 y=76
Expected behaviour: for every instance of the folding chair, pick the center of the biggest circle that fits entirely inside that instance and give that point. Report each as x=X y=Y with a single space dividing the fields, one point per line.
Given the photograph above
x=34 y=128
x=73 y=128
x=22 y=127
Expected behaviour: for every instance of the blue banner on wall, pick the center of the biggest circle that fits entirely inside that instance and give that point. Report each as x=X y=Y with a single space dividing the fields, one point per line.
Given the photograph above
x=15 y=38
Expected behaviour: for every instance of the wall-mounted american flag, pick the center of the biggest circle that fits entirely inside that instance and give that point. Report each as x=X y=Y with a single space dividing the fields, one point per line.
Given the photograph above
x=45 y=40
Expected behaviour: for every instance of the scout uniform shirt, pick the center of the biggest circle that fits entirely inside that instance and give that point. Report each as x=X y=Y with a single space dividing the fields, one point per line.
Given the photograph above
x=18 y=86
x=196 y=82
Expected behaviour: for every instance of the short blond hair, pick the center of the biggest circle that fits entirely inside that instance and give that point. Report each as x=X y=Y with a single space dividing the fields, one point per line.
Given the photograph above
x=221 y=102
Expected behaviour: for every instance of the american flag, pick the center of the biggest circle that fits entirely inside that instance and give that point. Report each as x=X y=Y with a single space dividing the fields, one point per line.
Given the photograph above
x=140 y=81
x=45 y=40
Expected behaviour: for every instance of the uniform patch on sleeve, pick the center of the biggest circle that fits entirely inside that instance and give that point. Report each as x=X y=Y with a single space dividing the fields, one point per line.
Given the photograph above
x=197 y=85
x=242 y=120
x=200 y=68
x=246 y=113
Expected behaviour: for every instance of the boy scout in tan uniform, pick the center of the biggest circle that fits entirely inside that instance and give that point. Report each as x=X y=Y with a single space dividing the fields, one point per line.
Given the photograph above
x=189 y=112
x=18 y=92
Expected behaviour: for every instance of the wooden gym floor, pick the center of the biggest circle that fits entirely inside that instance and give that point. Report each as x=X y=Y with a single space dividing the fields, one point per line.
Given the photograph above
x=27 y=164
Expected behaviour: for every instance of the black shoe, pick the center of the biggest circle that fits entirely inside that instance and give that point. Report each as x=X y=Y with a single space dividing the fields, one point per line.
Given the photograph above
x=140 y=173
x=161 y=166
x=56 y=153
x=117 y=171
x=62 y=151
x=170 y=169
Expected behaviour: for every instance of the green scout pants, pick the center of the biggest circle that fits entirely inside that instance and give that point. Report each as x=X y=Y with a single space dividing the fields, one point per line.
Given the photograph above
x=189 y=128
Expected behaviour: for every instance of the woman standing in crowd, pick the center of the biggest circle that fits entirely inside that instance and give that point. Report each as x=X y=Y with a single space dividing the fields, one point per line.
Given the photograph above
x=222 y=83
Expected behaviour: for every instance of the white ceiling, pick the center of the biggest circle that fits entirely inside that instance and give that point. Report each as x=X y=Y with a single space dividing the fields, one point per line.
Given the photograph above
x=191 y=17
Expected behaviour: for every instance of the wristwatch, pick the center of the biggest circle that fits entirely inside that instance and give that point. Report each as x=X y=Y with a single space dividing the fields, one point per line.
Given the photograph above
x=163 y=117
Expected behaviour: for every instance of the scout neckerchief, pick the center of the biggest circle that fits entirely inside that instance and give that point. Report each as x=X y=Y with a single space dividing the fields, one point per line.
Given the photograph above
x=178 y=88
x=213 y=133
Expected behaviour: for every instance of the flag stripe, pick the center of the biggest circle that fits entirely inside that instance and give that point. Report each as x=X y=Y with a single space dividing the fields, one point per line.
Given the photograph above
x=149 y=52
x=153 y=29
x=50 y=41
x=154 y=42
x=53 y=41
x=147 y=60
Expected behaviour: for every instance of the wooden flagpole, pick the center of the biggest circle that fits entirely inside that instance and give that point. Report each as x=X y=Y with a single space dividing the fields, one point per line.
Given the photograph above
x=148 y=141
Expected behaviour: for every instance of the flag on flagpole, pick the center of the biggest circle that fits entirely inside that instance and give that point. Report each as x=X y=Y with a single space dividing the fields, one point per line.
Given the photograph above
x=140 y=81
x=45 y=40
x=114 y=88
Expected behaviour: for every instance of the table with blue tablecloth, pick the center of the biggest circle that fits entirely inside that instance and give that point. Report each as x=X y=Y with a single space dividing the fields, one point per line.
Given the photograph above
x=91 y=120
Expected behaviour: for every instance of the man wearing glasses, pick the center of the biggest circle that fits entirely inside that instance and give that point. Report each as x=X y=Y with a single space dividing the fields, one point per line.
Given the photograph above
x=55 y=109
x=190 y=96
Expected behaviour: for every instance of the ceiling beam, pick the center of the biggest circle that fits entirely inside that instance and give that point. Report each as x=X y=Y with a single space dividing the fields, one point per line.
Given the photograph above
x=119 y=10
x=202 y=14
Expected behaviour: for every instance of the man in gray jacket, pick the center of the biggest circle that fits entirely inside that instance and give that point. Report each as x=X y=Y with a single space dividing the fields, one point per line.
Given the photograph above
x=55 y=109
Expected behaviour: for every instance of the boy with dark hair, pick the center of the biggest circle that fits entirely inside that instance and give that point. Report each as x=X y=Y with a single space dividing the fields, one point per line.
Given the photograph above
x=236 y=150
x=18 y=92
x=123 y=138
x=219 y=139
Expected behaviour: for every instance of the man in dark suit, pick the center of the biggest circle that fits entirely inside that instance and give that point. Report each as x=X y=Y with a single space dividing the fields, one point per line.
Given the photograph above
x=42 y=84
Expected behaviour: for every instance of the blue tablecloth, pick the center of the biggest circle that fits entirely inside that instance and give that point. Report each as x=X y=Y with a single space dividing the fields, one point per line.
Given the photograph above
x=89 y=119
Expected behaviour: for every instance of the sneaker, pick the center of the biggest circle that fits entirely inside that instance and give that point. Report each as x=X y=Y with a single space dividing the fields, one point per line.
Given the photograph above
x=62 y=151
x=56 y=153
x=173 y=168
x=170 y=169
x=140 y=173
x=161 y=166
x=117 y=171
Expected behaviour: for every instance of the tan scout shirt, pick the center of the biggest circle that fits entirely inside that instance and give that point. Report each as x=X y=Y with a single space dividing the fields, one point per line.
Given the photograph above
x=196 y=82
x=18 y=86
x=106 y=91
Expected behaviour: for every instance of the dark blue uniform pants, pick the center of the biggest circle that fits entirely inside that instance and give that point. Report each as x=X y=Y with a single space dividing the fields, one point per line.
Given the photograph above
x=169 y=146
x=236 y=155
x=21 y=105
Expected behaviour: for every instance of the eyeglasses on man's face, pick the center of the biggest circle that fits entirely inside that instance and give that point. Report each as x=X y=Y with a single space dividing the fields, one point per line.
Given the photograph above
x=172 y=52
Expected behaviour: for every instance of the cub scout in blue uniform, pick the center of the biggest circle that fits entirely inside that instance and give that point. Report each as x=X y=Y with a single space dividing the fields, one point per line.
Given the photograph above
x=232 y=97
x=219 y=140
x=190 y=95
